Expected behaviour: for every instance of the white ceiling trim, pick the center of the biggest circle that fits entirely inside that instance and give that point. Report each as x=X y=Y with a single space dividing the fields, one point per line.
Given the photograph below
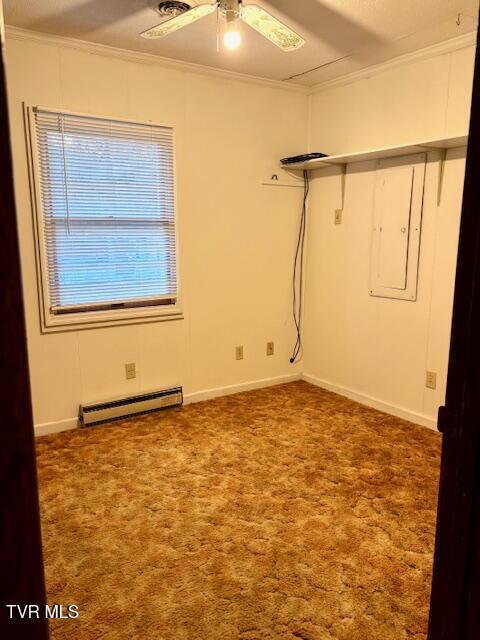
x=447 y=46
x=18 y=33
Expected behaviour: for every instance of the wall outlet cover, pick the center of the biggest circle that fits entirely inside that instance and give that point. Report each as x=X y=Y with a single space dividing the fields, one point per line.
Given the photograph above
x=270 y=348
x=130 y=371
x=431 y=380
x=338 y=216
x=239 y=352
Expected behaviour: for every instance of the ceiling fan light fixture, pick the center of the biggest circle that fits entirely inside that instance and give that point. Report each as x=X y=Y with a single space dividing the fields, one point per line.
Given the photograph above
x=229 y=10
x=232 y=38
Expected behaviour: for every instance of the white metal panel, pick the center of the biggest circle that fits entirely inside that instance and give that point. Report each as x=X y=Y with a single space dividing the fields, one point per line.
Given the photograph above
x=393 y=201
x=396 y=229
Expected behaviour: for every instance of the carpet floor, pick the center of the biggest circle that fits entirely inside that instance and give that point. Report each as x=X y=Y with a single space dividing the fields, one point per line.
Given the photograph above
x=279 y=514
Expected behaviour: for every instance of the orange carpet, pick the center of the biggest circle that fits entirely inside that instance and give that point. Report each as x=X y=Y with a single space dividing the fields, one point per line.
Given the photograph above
x=280 y=514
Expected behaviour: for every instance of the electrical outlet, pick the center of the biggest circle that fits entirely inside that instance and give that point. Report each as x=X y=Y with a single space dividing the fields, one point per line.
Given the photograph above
x=239 y=353
x=431 y=380
x=338 y=216
x=270 y=348
x=130 y=371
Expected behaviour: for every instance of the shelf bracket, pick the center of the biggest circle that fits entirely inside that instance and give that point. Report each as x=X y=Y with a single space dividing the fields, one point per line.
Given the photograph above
x=441 y=171
x=343 y=181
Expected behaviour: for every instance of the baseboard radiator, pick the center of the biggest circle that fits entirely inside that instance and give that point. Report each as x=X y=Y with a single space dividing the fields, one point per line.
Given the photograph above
x=103 y=411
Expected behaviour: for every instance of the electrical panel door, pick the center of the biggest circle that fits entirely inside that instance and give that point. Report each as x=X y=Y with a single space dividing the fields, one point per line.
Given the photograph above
x=397 y=218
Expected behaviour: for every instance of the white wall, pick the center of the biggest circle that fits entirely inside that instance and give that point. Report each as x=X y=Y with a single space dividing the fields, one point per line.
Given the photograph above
x=237 y=237
x=378 y=350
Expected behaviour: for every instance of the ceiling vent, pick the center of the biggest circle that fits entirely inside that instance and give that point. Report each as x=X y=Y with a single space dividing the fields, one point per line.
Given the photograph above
x=172 y=8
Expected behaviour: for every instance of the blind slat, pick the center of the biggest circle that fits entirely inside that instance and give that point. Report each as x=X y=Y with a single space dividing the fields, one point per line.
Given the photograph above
x=107 y=192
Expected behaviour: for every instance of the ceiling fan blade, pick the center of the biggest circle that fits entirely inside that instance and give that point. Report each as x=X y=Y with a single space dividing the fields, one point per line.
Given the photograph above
x=332 y=26
x=271 y=28
x=183 y=20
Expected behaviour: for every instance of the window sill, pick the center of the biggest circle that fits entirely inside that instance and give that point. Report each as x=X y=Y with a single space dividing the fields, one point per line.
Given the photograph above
x=99 y=319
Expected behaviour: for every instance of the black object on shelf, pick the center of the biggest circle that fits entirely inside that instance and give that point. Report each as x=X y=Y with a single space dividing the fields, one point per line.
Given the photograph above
x=303 y=157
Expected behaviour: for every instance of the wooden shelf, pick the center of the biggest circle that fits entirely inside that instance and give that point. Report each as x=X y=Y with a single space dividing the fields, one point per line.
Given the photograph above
x=375 y=154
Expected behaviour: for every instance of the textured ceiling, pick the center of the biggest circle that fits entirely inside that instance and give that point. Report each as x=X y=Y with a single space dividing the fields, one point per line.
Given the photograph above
x=342 y=35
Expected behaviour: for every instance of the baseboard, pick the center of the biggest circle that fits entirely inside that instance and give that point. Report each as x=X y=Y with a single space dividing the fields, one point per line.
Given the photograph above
x=375 y=403
x=45 y=428
x=198 y=396
x=208 y=394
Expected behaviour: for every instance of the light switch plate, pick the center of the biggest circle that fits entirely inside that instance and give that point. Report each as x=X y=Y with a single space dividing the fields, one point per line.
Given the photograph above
x=239 y=352
x=338 y=216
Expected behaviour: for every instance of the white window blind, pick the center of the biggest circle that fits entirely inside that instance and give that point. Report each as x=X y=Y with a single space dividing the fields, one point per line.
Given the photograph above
x=108 y=212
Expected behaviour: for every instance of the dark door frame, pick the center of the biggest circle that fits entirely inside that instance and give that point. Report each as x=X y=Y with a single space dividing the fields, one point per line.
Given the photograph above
x=21 y=563
x=455 y=601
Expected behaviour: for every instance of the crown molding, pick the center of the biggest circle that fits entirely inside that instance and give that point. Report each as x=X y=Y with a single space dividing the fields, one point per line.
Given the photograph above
x=446 y=46
x=18 y=33
x=441 y=48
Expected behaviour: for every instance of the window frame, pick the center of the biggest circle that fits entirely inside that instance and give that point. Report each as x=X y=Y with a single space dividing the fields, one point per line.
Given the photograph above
x=51 y=322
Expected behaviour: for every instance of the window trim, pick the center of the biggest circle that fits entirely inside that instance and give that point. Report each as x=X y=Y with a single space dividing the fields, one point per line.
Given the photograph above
x=131 y=314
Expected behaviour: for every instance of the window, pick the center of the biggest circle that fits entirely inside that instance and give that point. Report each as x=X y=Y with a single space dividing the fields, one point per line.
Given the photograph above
x=106 y=218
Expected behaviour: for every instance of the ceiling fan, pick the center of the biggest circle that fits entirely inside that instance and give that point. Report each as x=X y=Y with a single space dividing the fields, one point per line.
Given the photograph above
x=231 y=11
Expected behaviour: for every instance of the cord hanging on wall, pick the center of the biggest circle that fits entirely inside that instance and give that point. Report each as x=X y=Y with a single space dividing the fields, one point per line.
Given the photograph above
x=298 y=273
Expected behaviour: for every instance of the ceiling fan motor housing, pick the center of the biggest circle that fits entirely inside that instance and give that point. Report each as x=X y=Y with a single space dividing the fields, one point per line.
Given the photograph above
x=229 y=9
